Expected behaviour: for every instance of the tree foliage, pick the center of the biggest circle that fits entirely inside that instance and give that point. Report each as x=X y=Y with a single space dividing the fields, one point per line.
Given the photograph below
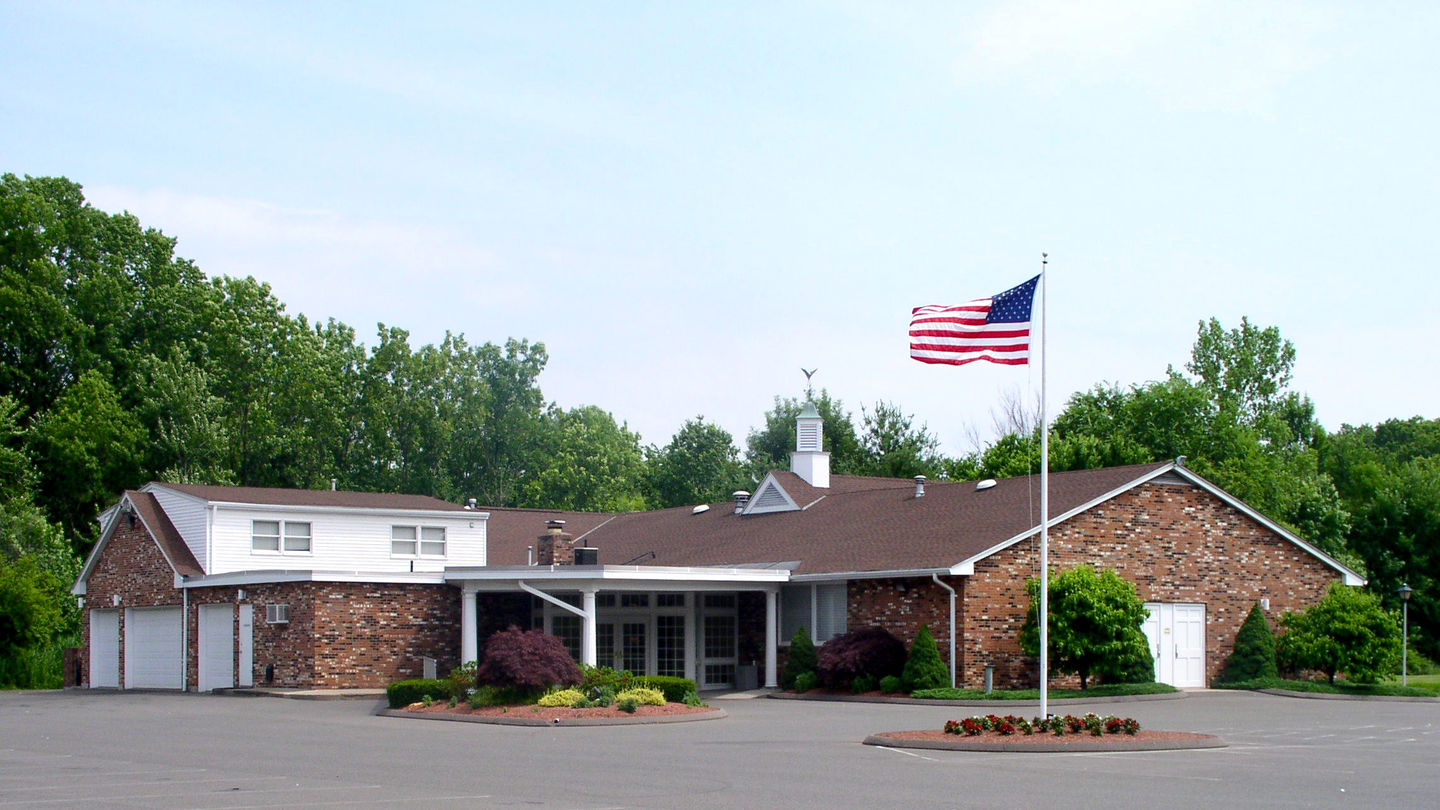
x=892 y=446
x=869 y=652
x=528 y=659
x=699 y=465
x=924 y=668
x=1094 y=625
x=801 y=658
x=1346 y=632
x=769 y=447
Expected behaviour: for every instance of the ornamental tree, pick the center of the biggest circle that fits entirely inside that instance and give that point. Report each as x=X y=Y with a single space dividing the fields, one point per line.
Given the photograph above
x=1094 y=623
x=1347 y=632
x=924 y=669
x=530 y=659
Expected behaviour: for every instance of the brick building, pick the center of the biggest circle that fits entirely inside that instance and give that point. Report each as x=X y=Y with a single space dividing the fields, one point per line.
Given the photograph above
x=212 y=587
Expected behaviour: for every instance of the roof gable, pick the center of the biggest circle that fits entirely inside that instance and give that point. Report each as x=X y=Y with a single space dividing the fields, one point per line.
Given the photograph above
x=770 y=497
x=149 y=512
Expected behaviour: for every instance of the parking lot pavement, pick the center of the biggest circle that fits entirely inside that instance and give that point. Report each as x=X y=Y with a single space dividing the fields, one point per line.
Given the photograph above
x=77 y=749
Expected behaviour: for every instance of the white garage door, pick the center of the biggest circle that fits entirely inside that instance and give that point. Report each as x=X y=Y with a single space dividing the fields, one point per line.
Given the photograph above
x=153 y=655
x=217 y=647
x=104 y=648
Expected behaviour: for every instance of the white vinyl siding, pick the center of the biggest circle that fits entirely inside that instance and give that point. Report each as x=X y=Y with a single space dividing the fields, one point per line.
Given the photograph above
x=417 y=541
x=344 y=541
x=819 y=608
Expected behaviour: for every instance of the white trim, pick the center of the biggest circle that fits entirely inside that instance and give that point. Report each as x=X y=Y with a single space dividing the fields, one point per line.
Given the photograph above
x=263 y=577
x=457 y=513
x=616 y=573
x=900 y=573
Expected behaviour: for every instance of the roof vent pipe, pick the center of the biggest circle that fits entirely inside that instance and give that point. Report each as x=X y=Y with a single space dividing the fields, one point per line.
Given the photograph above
x=919 y=486
x=470 y=503
x=741 y=498
x=333 y=483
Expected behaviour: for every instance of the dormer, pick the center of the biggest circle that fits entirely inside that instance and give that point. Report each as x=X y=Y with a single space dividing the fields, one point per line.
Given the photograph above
x=810 y=461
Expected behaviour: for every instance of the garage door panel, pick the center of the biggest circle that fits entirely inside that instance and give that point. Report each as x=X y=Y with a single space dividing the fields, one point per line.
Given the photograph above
x=153 y=648
x=217 y=647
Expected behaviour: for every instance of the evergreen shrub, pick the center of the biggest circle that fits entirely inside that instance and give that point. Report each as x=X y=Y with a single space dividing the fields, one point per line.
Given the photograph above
x=561 y=697
x=1254 y=654
x=924 y=669
x=891 y=684
x=403 y=693
x=800 y=660
x=863 y=684
x=806 y=681
x=673 y=688
x=642 y=695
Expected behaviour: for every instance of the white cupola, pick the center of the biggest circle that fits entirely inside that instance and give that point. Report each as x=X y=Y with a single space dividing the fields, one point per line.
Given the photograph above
x=810 y=461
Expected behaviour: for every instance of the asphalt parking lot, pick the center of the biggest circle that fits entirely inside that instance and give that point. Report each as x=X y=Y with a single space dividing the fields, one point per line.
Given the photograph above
x=152 y=750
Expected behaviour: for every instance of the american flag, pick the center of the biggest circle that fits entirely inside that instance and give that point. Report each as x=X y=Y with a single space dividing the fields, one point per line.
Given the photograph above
x=996 y=329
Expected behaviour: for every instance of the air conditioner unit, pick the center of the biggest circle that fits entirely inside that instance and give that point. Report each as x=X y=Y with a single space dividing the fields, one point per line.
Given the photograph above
x=277 y=614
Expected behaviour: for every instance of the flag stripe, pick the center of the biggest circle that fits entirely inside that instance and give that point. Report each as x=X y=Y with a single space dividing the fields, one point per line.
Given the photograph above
x=994 y=329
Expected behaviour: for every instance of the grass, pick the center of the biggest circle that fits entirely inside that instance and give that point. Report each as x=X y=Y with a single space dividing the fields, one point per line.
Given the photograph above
x=1104 y=690
x=1430 y=683
x=1340 y=687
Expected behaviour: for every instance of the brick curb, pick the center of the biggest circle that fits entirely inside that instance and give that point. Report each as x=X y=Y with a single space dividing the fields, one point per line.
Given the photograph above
x=1326 y=696
x=555 y=722
x=905 y=701
x=1198 y=741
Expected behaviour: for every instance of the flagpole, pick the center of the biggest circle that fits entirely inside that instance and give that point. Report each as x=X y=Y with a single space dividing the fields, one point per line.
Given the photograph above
x=1044 y=505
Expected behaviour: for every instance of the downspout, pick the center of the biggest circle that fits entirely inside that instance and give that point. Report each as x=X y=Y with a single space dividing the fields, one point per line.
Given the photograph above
x=936 y=577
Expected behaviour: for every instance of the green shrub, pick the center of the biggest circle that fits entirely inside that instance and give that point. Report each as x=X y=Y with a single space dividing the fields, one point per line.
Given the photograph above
x=891 y=684
x=561 y=697
x=462 y=679
x=800 y=660
x=692 y=699
x=529 y=658
x=642 y=695
x=806 y=681
x=1254 y=655
x=43 y=667
x=1347 y=631
x=403 y=693
x=502 y=696
x=1416 y=663
x=924 y=669
x=871 y=651
x=592 y=678
x=862 y=684
x=673 y=688
x=627 y=705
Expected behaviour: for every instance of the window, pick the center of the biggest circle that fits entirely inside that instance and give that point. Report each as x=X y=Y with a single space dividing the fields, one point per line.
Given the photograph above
x=634 y=600
x=820 y=609
x=669 y=600
x=280 y=536
x=417 y=541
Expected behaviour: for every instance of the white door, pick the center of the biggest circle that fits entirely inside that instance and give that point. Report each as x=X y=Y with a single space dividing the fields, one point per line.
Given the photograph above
x=216 y=668
x=1176 y=633
x=154 y=658
x=247 y=646
x=104 y=648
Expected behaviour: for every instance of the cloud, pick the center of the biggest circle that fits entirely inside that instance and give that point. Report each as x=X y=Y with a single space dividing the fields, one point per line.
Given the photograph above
x=1228 y=56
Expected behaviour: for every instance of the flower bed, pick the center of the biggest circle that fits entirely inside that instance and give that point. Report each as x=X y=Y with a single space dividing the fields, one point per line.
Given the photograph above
x=561 y=712
x=1090 y=732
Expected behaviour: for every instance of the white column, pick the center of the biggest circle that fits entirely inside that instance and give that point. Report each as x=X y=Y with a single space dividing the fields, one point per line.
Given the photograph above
x=772 y=599
x=588 y=654
x=469 y=644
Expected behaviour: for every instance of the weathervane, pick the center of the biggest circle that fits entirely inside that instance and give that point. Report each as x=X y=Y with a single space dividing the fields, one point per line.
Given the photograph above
x=809 y=386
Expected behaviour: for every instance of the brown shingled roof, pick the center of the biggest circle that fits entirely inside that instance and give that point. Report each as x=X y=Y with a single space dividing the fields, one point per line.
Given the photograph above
x=312 y=497
x=165 y=534
x=860 y=524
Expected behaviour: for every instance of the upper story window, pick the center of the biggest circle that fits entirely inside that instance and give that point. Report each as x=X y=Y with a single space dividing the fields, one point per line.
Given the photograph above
x=280 y=536
x=417 y=541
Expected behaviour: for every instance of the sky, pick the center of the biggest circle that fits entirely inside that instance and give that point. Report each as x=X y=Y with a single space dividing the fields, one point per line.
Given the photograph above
x=688 y=203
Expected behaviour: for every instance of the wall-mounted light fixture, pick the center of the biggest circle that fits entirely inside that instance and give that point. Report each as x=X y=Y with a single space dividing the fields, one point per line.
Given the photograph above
x=240 y=595
x=115 y=599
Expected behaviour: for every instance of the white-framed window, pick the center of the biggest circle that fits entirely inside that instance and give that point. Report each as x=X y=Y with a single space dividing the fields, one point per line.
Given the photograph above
x=819 y=608
x=417 y=541
x=280 y=536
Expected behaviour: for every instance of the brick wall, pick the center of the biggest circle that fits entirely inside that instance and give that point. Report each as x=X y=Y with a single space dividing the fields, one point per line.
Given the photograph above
x=132 y=567
x=1176 y=543
x=901 y=605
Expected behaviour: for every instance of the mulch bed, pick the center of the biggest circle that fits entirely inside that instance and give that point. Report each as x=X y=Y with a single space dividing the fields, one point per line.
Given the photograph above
x=558 y=716
x=1144 y=740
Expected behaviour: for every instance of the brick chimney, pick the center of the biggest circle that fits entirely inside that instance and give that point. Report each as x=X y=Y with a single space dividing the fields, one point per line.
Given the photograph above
x=555 y=546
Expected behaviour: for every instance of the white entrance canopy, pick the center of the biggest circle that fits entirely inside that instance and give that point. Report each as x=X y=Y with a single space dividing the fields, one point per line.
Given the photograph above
x=542 y=581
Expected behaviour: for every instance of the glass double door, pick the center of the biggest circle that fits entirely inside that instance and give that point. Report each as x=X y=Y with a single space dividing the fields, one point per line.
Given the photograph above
x=649 y=645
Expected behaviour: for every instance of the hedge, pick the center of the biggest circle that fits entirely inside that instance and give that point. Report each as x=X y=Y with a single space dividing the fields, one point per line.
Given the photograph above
x=674 y=689
x=403 y=693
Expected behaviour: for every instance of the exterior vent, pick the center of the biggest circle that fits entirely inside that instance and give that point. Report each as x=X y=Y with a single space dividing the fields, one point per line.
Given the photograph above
x=919 y=486
x=770 y=498
x=986 y=484
x=741 y=498
x=701 y=509
x=277 y=614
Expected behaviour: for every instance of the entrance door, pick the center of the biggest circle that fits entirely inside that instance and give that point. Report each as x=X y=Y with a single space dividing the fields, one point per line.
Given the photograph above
x=1176 y=633
x=217 y=647
x=104 y=648
x=719 y=640
x=634 y=646
x=247 y=646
